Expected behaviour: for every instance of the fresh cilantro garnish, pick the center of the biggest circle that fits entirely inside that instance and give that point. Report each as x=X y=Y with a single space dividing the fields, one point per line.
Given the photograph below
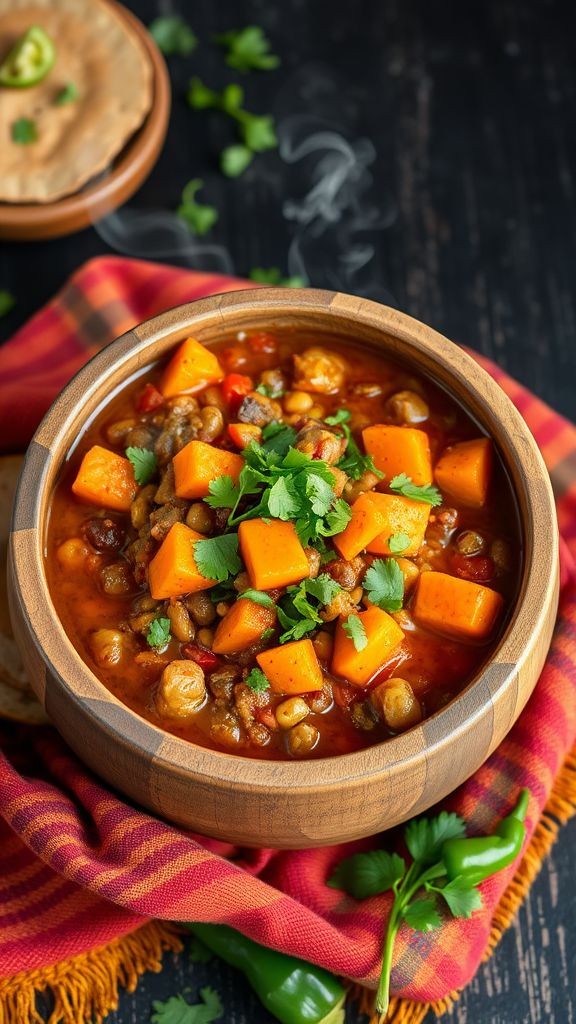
x=425 y=836
x=248 y=49
x=422 y=915
x=256 y=131
x=270 y=392
x=198 y=952
x=353 y=463
x=278 y=437
x=223 y=493
x=158 y=634
x=267 y=634
x=173 y=35
x=384 y=584
x=143 y=462
x=368 y=874
x=199 y=217
x=398 y=542
x=7 y=301
x=462 y=897
x=258 y=597
x=68 y=94
x=177 y=1011
x=274 y=276
x=257 y=680
x=299 y=609
x=217 y=558
x=24 y=131
x=403 y=484
x=235 y=159
x=354 y=629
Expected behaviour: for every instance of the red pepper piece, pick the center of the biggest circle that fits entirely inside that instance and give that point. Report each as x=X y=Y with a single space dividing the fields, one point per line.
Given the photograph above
x=262 y=342
x=149 y=399
x=473 y=567
x=202 y=656
x=235 y=387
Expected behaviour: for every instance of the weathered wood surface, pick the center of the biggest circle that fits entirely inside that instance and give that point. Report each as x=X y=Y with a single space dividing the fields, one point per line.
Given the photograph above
x=471 y=110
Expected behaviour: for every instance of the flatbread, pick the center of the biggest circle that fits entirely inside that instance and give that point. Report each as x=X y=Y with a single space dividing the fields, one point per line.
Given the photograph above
x=97 y=51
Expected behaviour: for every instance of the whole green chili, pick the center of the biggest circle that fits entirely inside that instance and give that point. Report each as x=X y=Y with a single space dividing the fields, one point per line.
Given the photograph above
x=477 y=858
x=293 y=991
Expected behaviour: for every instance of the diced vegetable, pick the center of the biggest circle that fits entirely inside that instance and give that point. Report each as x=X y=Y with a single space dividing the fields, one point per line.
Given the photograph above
x=242 y=433
x=399 y=450
x=292 y=668
x=455 y=607
x=105 y=479
x=464 y=471
x=366 y=523
x=149 y=399
x=191 y=368
x=242 y=626
x=173 y=570
x=198 y=463
x=235 y=387
x=384 y=637
x=272 y=553
x=399 y=515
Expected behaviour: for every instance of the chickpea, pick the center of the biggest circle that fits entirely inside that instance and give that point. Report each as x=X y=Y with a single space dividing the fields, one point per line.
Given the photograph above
x=141 y=507
x=213 y=396
x=317 y=411
x=396 y=702
x=242 y=582
x=275 y=381
x=291 y=711
x=72 y=553
x=354 y=488
x=407 y=407
x=212 y=423
x=139 y=437
x=367 y=389
x=116 y=579
x=201 y=609
x=116 y=433
x=409 y=571
x=297 y=402
x=107 y=646
x=342 y=604
x=323 y=644
x=199 y=518
x=141 y=623
x=180 y=623
x=181 y=691
x=205 y=636
x=222 y=608
x=302 y=739
x=470 y=543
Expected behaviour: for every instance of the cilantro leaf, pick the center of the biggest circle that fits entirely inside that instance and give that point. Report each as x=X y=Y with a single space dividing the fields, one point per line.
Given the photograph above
x=340 y=416
x=144 y=464
x=353 y=463
x=283 y=501
x=235 y=159
x=384 y=584
x=200 y=96
x=223 y=493
x=158 y=634
x=277 y=437
x=462 y=897
x=24 y=131
x=258 y=132
x=368 y=874
x=398 y=542
x=248 y=49
x=422 y=915
x=7 y=301
x=258 y=597
x=69 y=94
x=320 y=494
x=198 y=952
x=354 y=629
x=217 y=558
x=323 y=588
x=297 y=613
x=199 y=217
x=336 y=519
x=273 y=276
x=177 y=1011
x=173 y=35
x=403 y=484
x=257 y=680
x=425 y=836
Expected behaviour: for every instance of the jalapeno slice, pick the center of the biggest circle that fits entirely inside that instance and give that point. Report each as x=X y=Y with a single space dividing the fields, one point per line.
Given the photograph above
x=29 y=60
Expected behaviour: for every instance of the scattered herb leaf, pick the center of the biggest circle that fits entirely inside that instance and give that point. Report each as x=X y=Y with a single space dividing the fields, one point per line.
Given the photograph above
x=384 y=584
x=353 y=463
x=248 y=49
x=235 y=159
x=425 y=836
x=257 y=132
x=462 y=897
x=198 y=952
x=257 y=680
x=259 y=597
x=173 y=35
x=69 y=94
x=217 y=558
x=354 y=629
x=199 y=217
x=144 y=464
x=299 y=609
x=223 y=493
x=274 y=276
x=422 y=915
x=158 y=634
x=398 y=542
x=403 y=484
x=368 y=874
x=177 y=1010
x=24 y=131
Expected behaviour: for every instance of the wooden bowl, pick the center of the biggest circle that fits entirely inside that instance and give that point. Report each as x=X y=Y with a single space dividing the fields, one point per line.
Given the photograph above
x=26 y=222
x=284 y=804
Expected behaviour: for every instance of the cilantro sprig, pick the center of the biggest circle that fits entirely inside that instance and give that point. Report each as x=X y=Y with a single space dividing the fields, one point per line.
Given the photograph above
x=384 y=584
x=177 y=1010
x=404 y=485
x=355 y=630
x=273 y=275
x=248 y=49
x=144 y=464
x=398 y=542
x=257 y=132
x=199 y=217
x=353 y=462
x=24 y=131
x=299 y=610
x=158 y=635
x=217 y=558
x=173 y=35
x=257 y=680
x=68 y=94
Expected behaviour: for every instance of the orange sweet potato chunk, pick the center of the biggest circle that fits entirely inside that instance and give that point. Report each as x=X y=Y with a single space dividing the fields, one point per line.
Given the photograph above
x=272 y=553
x=191 y=368
x=399 y=450
x=242 y=626
x=464 y=471
x=292 y=668
x=366 y=523
x=384 y=636
x=105 y=479
x=456 y=608
x=173 y=570
x=399 y=515
x=198 y=463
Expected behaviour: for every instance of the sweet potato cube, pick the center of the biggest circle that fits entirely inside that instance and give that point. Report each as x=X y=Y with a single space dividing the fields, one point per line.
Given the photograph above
x=292 y=668
x=456 y=608
x=400 y=515
x=105 y=479
x=365 y=524
x=272 y=553
x=384 y=637
x=173 y=570
x=242 y=626
x=399 y=450
x=191 y=368
x=464 y=471
x=198 y=463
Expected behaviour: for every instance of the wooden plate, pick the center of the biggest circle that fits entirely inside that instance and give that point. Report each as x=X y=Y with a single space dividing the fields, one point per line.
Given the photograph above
x=28 y=222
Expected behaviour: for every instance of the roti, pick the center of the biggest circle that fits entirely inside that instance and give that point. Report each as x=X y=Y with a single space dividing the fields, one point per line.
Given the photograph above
x=97 y=52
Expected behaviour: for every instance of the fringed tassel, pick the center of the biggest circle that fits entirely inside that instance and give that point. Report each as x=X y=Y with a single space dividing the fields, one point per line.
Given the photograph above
x=561 y=806
x=85 y=988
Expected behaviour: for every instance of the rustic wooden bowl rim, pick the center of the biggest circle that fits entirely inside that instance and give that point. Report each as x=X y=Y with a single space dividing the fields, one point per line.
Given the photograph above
x=138 y=349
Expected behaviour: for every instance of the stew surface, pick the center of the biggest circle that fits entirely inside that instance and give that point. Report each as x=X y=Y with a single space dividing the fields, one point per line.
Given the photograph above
x=283 y=547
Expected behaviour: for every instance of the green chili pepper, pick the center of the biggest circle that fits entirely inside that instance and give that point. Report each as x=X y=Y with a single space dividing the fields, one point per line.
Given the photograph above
x=477 y=858
x=29 y=60
x=294 y=991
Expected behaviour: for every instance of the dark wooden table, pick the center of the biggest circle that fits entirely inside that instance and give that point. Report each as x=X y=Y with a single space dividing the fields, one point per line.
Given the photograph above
x=455 y=135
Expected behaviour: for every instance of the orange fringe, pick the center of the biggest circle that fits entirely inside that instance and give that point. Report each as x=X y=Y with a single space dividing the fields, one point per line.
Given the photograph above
x=85 y=988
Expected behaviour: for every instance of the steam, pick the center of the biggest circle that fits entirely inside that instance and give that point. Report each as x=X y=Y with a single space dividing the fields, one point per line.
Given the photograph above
x=160 y=235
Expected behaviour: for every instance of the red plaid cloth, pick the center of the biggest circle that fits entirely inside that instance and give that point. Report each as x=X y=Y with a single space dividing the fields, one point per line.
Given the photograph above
x=79 y=866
